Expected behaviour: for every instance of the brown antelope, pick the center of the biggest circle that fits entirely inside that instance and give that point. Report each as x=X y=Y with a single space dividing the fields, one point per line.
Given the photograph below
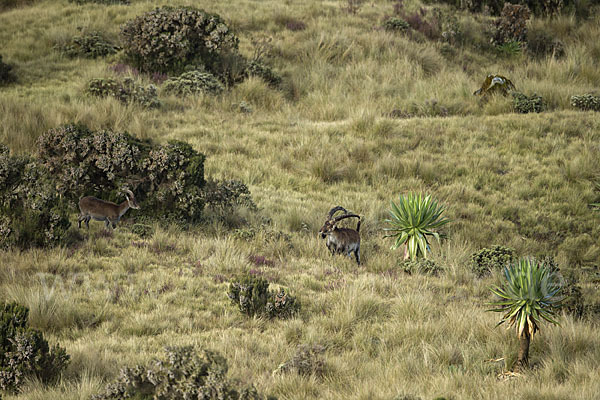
x=341 y=240
x=107 y=211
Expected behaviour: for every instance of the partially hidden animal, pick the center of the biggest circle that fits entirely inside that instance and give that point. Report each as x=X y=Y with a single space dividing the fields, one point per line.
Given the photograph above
x=107 y=211
x=341 y=240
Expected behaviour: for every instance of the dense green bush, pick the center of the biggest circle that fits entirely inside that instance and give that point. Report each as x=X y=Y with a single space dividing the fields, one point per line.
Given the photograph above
x=541 y=43
x=489 y=259
x=420 y=266
x=396 y=25
x=125 y=91
x=167 y=180
x=6 y=74
x=307 y=361
x=90 y=45
x=586 y=102
x=181 y=374
x=193 y=82
x=527 y=104
x=512 y=25
x=252 y=296
x=169 y=39
x=263 y=71
x=32 y=213
x=126 y=2
x=24 y=353
x=227 y=195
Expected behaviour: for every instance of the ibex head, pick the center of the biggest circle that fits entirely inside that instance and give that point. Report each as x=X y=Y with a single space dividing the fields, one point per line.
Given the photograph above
x=330 y=223
x=131 y=199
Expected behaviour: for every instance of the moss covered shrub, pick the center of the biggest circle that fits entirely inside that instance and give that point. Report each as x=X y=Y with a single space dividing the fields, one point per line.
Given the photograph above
x=252 y=296
x=183 y=373
x=169 y=39
x=6 y=74
x=308 y=360
x=227 y=194
x=24 y=353
x=107 y=2
x=259 y=69
x=89 y=45
x=32 y=213
x=167 y=180
x=193 y=82
x=524 y=104
x=586 y=102
x=512 y=25
x=394 y=24
x=125 y=91
x=489 y=259
x=420 y=266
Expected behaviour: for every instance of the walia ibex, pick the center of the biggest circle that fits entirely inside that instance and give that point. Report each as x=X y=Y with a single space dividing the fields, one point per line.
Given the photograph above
x=341 y=240
x=107 y=211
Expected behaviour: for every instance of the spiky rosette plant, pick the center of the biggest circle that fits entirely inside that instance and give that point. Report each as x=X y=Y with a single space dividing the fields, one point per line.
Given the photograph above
x=529 y=294
x=413 y=220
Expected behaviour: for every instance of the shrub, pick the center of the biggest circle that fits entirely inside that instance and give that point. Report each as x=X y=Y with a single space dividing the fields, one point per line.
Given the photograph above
x=489 y=259
x=252 y=296
x=428 y=26
x=24 y=353
x=125 y=91
x=142 y=230
x=263 y=71
x=512 y=24
x=527 y=104
x=226 y=195
x=168 y=39
x=586 y=102
x=193 y=82
x=6 y=74
x=90 y=45
x=307 y=361
x=420 y=266
x=396 y=25
x=167 y=179
x=108 y=2
x=182 y=374
x=540 y=43
x=32 y=214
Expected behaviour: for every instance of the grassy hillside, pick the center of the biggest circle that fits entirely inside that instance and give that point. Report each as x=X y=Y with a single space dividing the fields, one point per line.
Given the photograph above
x=325 y=137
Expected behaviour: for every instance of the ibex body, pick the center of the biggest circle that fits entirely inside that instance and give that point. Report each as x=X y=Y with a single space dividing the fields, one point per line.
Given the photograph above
x=341 y=240
x=107 y=211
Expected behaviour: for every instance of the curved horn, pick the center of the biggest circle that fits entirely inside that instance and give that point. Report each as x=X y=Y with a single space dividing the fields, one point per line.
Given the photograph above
x=334 y=210
x=341 y=217
x=129 y=192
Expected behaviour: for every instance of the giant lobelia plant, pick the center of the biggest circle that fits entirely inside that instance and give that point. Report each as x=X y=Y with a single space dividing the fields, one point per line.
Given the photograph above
x=413 y=220
x=529 y=294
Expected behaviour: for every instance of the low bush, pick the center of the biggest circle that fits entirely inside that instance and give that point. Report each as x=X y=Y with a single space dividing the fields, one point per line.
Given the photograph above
x=24 y=353
x=490 y=259
x=420 y=266
x=32 y=213
x=193 y=82
x=307 y=361
x=169 y=39
x=182 y=374
x=90 y=45
x=167 y=179
x=263 y=71
x=541 y=43
x=6 y=74
x=226 y=195
x=125 y=91
x=512 y=25
x=108 y=2
x=396 y=25
x=586 y=102
x=527 y=104
x=142 y=230
x=252 y=296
